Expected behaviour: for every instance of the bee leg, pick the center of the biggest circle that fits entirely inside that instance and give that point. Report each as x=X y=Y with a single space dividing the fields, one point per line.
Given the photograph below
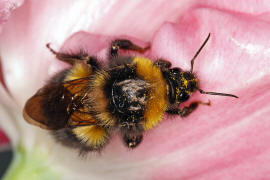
x=163 y=64
x=73 y=58
x=125 y=45
x=188 y=109
x=132 y=141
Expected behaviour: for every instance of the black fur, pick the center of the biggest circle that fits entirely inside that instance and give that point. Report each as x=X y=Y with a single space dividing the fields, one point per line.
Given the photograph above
x=122 y=98
x=55 y=105
x=132 y=141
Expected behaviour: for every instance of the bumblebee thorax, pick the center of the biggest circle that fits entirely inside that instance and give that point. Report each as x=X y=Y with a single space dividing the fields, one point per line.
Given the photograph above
x=129 y=96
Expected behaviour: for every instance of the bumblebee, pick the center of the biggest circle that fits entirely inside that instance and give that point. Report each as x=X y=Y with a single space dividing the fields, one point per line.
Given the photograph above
x=84 y=104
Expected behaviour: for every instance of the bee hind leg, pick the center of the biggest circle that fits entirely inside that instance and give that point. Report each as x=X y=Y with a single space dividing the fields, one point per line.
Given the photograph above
x=76 y=57
x=125 y=45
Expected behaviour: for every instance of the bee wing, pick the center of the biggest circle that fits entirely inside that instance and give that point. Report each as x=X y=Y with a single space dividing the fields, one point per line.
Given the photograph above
x=80 y=118
x=59 y=105
x=34 y=114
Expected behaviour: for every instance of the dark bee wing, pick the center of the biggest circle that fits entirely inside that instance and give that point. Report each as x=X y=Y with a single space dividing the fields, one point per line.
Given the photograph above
x=59 y=105
x=33 y=112
x=81 y=117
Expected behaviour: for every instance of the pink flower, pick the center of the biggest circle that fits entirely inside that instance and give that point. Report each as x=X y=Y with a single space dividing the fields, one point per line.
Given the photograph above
x=229 y=140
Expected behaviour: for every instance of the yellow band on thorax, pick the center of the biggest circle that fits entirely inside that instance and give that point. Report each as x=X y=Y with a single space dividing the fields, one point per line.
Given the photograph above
x=157 y=101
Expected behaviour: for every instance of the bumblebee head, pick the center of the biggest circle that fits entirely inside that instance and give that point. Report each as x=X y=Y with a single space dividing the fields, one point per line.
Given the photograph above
x=183 y=83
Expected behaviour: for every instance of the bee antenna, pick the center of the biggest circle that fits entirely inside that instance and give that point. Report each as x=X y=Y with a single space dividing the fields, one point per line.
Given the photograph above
x=216 y=93
x=198 y=52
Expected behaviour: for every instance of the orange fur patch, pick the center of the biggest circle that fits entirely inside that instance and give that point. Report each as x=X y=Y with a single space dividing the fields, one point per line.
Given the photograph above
x=78 y=71
x=93 y=136
x=100 y=99
x=157 y=102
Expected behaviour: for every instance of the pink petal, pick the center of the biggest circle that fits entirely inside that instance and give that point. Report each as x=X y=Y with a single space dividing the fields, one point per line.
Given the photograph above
x=6 y=8
x=227 y=140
